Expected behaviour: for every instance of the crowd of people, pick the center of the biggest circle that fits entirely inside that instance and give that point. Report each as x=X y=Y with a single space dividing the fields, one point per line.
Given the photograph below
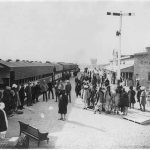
x=17 y=96
x=13 y=99
x=99 y=95
x=93 y=87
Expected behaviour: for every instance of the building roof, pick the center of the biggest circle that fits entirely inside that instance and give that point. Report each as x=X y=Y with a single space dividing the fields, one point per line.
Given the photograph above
x=124 y=57
x=141 y=53
x=58 y=67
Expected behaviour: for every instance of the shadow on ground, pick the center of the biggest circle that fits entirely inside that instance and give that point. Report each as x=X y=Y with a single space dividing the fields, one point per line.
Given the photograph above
x=84 y=125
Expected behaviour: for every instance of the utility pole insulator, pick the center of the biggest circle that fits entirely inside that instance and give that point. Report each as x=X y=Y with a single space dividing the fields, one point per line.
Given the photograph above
x=118 y=33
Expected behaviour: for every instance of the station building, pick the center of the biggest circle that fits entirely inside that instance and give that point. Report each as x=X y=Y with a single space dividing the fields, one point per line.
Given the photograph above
x=133 y=67
x=142 y=67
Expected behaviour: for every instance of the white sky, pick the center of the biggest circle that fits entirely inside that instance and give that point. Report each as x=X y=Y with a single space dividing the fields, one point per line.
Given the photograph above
x=71 y=31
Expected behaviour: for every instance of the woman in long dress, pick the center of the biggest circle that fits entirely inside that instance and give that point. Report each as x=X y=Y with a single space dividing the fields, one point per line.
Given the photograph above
x=63 y=102
x=108 y=98
x=86 y=95
x=99 y=101
x=116 y=100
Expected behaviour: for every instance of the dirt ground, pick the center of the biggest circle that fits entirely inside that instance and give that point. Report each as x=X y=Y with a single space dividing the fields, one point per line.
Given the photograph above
x=82 y=129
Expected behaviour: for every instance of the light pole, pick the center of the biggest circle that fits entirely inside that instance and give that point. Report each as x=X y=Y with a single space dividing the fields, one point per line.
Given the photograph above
x=118 y=33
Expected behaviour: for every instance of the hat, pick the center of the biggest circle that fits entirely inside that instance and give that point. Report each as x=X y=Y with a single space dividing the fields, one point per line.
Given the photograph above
x=14 y=86
x=2 y=105
x=86 y=87
x=142 y=88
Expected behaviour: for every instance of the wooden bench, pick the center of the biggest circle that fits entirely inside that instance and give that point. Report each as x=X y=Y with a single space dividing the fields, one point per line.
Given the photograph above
x=33 y=132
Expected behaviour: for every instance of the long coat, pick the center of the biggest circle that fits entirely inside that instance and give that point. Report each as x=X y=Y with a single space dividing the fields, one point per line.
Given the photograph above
x=131 y=95
x=28 y=92
x=7 y=100
x=63 y=102
x=138 y=95
x=22 y=93
x=3 y=121
x=116 y=99
x=100 y=97
x=78 y=87
x=86 y=95
x=124 y=100
x=143 y=98
x=108 y=98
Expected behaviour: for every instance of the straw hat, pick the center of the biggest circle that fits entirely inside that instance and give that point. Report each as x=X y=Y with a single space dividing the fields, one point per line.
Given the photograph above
x=14 y=86
x=142 y=88
x=2 y=105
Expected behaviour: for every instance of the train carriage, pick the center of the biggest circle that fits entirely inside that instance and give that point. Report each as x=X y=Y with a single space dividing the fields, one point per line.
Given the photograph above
x=21 y=72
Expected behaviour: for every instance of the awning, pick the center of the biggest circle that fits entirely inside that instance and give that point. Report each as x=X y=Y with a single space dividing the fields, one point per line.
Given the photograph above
x=127 y=69
x=124 y=68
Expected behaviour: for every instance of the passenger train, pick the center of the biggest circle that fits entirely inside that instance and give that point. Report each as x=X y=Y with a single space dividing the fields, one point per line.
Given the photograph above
x=20 y=72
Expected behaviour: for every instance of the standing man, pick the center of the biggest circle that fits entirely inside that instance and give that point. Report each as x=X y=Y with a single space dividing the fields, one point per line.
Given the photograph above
x=50 y=89
x=7 y=99
x=60 y=87
x=138 y=96
x=68 y=90
x=44 y=89
x=22 y=96
x=56 y=90
x=143 y=98
x=131 y=95
x=78 y=88
x=37 y=91
x=124 y=101
x=33 y=92
x=29 y=94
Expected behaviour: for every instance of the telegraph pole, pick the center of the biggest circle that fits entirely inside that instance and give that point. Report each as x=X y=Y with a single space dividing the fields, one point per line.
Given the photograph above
x=118 y=33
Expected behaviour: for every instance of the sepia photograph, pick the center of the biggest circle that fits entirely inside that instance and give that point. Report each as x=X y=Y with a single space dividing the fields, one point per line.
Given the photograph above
x=74 y=74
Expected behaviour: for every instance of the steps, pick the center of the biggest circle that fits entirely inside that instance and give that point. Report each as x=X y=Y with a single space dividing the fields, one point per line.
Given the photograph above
x=138 y=117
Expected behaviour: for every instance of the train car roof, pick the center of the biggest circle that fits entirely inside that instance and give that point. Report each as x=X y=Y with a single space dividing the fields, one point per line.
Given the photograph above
x=14 y=64
x=58 y=67
x=24 y=70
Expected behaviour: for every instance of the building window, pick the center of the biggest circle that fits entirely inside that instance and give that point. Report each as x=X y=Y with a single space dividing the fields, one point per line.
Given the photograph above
x=149 y=76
